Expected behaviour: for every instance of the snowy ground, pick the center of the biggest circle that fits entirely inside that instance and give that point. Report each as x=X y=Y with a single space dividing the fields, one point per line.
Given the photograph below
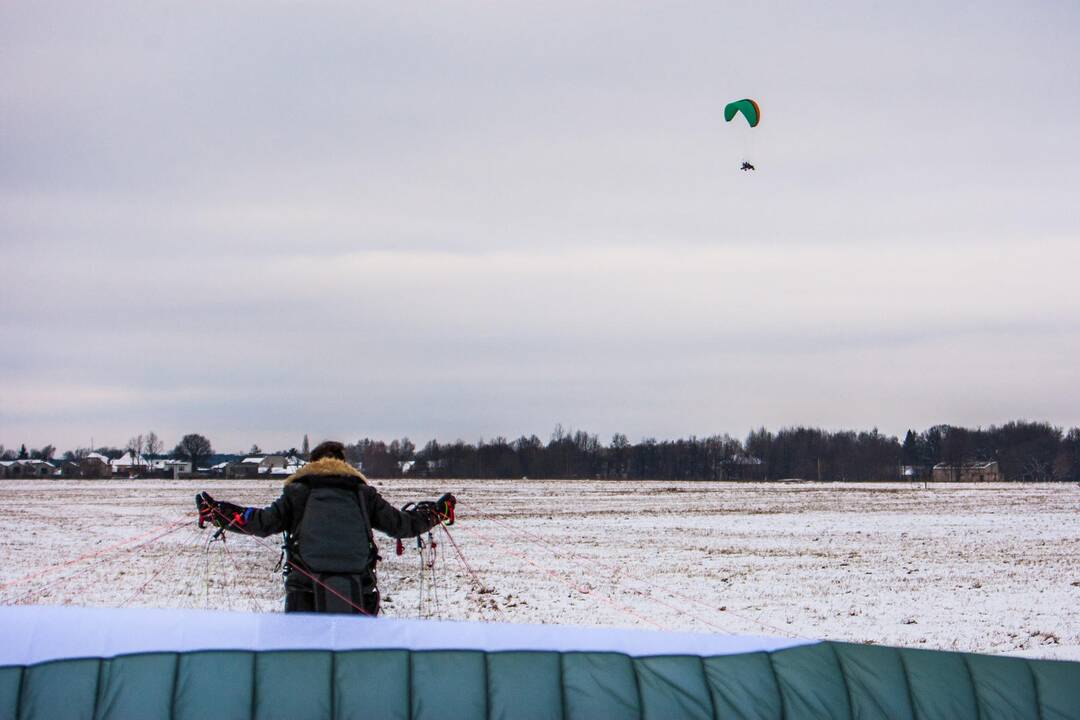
x=983 y=568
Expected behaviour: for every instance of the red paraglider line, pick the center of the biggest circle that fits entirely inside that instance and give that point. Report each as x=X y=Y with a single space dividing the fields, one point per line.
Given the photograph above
x=617 y=605
x=167 y=565
x=458 y=551
x=89 y=556
x=240 y=573
x=554 y=549
x=88 y=568
x=476 y=578
x=232 y=524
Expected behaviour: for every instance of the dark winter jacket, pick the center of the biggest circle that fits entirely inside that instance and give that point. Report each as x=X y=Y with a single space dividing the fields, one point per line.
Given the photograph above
x=329 y=511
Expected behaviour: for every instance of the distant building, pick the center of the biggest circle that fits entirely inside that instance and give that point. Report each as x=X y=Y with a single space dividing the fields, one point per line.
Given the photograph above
x=130 y=464
x=267 y=463
x=95 y=465
x=242 y=470
x=292 y=464
x=743 y=467
x=257 y=466
x=27 y=468
x=170 y=468
x=981 y=471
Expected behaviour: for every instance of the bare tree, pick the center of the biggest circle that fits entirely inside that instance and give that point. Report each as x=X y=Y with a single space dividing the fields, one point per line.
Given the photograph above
x=1070 y=456
x=1036 y=469
x=154 y=446
x=135 y=446
x=377 y=460
x=402 y=450
x=619 y=456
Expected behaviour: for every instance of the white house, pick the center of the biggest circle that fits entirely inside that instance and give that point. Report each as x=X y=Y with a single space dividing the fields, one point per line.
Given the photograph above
x=292 y=464
x=130 y=464
x=268 y=463
x=172 y=467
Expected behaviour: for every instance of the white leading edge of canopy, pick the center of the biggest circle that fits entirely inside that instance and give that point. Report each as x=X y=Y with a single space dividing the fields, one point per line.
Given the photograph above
x=39 y=633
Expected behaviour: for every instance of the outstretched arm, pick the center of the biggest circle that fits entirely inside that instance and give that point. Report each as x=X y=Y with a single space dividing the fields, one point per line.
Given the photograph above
x=408 y=523
x=249 y=521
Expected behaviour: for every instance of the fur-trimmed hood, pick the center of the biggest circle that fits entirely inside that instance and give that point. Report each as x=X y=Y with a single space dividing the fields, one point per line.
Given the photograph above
x=327 y=466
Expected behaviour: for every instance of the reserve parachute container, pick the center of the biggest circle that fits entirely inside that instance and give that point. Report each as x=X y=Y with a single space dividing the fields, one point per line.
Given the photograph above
x=101 y=664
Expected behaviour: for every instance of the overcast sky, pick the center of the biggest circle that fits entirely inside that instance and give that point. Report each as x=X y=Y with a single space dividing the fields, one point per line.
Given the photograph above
x=256 y=220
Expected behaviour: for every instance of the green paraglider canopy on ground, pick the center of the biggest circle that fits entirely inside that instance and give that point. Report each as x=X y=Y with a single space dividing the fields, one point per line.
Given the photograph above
x=60 y=662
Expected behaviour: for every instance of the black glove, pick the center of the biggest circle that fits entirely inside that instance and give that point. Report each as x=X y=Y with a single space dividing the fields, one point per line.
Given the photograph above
x=444 y=508
x=205 y=505
x=222 y=514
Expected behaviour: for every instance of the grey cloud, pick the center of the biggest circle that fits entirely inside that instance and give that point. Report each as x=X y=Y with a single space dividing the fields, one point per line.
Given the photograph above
x=488 y=219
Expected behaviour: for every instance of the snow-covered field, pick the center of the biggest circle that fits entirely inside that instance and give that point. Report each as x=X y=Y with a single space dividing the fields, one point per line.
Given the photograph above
x=987 y=568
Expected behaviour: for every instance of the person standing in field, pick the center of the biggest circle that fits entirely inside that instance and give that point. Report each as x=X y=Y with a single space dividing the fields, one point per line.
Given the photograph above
x=327 y=512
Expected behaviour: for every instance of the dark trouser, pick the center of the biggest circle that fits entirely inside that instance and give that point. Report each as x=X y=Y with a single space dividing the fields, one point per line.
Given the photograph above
x=333 y=593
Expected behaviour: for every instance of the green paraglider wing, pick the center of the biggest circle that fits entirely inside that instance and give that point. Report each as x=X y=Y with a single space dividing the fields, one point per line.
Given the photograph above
x=173 y=664
x=825 y=680
x=747 y=107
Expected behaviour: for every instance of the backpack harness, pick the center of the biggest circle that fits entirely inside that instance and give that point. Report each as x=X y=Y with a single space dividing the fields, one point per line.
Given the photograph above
x=365 y=593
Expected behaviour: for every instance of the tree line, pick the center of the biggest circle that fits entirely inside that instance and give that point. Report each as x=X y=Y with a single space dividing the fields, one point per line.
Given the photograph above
x=1024 y=451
